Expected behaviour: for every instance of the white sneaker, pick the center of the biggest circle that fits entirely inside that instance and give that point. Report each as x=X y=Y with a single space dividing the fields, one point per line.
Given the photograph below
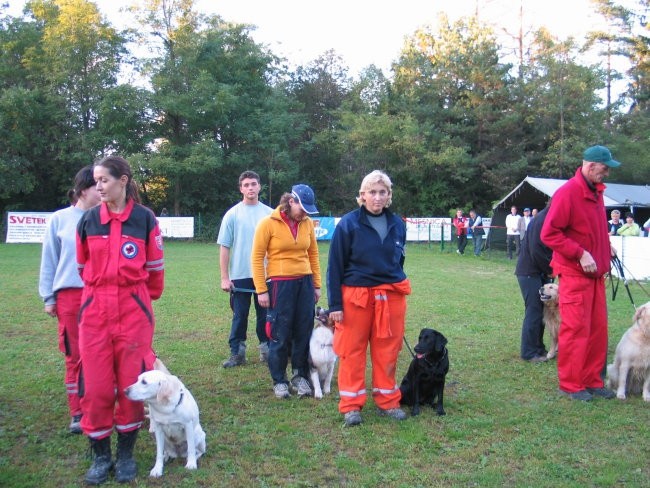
x=301 y=386
x=281 y=390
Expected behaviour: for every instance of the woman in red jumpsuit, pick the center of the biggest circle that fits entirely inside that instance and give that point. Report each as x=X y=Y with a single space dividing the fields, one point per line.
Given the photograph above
x=120 y=257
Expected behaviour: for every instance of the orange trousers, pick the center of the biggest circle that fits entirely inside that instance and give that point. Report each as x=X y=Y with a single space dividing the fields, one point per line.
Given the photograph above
x=372 y=316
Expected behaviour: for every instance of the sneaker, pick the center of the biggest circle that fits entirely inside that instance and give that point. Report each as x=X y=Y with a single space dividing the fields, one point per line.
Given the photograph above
x=538 y=359
x=394 y=413
x=281 y=390
x=234 y=360
x=301 y=386
x=264 y=352
x=602 y=393
x=75 y=425
x=582 y=395
x=352 y=418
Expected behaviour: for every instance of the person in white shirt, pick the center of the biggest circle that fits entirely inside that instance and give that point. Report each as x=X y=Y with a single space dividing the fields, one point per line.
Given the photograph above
x=526 y=220
x=513 y=232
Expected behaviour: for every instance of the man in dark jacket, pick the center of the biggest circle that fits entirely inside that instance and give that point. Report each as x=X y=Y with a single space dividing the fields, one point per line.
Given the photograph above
x=533 y=270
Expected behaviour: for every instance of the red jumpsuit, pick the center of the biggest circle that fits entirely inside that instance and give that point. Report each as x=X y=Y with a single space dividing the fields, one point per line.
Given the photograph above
x=577 y=221
x=121 y=262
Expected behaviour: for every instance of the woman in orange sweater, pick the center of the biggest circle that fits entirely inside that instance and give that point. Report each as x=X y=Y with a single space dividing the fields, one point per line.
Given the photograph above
x=286 y=273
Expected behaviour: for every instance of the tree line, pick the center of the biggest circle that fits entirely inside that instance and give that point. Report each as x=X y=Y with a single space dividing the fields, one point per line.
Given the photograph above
x=191 y=101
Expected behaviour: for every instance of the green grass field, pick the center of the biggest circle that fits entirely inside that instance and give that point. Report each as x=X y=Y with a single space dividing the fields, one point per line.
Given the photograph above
x=506 y=425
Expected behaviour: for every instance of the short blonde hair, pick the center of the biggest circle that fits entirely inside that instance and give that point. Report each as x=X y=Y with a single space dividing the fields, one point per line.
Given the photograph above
x=373 y=178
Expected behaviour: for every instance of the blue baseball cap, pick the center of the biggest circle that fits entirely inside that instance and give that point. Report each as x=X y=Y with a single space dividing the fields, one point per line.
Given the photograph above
x=305 y=197
x=600 y=154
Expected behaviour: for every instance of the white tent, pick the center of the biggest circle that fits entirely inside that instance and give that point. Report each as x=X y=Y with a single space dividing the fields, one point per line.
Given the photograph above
x=536 y=192
x=616 y=195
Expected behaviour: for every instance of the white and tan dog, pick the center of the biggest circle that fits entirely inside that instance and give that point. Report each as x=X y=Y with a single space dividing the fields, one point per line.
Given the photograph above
x=322 y=358
x=174 y=417
x=549 y=294
x=630 y=372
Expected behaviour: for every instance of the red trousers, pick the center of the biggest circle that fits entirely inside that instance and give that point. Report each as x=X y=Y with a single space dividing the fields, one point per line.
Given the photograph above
x=372 y=316
x=582 y=342
x=68 y=302
x=115 y=336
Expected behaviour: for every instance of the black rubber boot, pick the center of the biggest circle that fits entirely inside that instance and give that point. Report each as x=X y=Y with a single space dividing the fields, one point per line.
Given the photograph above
x=125 y=467
x=102 y=462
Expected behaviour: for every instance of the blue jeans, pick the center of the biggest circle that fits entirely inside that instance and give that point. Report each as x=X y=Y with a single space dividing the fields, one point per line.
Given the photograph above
x=532 y=328
x=241 y=304
x=292 y=319
x=478 y=244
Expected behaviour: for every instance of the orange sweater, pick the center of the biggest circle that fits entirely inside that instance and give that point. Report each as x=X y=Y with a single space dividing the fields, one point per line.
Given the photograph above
x=285 y=256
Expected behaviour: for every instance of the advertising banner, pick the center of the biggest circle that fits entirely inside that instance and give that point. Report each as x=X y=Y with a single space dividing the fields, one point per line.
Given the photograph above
x=179 y=227
x=324 y=227
x=27 y=226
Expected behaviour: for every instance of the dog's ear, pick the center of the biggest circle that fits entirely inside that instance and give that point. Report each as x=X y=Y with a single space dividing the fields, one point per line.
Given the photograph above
x=641 y=315
x=441 y=341
x=167 y=390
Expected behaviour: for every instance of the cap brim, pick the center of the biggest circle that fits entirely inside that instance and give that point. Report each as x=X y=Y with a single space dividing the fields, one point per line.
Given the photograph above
x=612 y=163
x=309 y=209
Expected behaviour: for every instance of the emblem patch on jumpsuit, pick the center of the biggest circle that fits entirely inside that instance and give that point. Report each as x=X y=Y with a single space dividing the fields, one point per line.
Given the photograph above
x=129 y=250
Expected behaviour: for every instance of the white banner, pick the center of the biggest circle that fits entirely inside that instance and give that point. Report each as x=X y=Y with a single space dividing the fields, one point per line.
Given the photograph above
x=634 y=253
x=181 y=227
x=29 y=227
x=433 y=228
x=428 y=229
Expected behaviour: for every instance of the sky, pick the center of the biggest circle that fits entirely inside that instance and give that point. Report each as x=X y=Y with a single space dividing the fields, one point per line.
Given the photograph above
x=365 y=32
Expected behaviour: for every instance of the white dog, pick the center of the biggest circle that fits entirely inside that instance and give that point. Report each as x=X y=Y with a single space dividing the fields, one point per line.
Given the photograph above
x=321 y=354
x=174 y=417
x=630 y=372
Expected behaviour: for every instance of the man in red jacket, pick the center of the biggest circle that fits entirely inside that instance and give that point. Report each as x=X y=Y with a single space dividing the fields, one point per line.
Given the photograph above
x=576 y=230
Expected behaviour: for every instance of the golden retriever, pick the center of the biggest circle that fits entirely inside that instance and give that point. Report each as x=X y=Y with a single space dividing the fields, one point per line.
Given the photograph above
x=630 y=372
x=549 y=294
x=174 y=417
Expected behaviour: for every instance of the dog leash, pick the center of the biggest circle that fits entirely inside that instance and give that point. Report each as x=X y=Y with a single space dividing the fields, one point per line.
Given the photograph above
x=235 y=289
x=616 y=262
x=409 y=348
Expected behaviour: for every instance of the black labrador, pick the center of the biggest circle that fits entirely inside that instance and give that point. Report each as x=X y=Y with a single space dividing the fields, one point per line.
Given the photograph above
x=424 y=382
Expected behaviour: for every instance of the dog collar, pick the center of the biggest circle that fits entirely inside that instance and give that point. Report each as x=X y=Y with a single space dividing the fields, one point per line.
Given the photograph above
x=444 y=355
x=180 y=400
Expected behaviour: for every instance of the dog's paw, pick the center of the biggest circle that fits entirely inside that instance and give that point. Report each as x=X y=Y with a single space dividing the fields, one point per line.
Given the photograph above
x=646 y=397
x=621 y=396
x=441 y=412
x=191 y=464
x=156 y=471
x=318 y=394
